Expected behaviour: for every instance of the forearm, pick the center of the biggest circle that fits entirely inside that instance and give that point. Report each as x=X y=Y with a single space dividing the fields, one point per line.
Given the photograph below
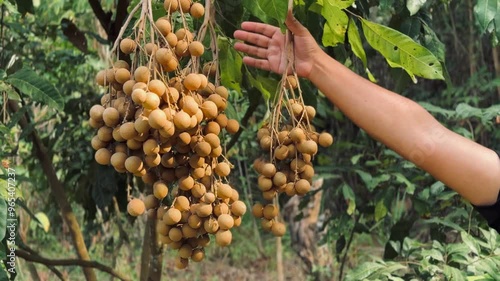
x=404 y=126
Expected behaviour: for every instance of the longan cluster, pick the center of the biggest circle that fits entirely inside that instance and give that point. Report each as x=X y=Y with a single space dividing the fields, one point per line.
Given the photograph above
x=164 y=123
x=289 y=142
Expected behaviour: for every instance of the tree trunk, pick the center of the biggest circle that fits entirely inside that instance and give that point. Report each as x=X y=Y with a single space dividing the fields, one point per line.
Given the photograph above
x=156 y=264
x=279 y=259
x=496 y=63
x=59 y=194
x=146 y=253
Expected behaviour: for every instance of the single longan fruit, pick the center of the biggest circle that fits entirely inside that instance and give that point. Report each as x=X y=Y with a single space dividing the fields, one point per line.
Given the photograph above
x=141 y=124
x=224 y=191
x=266 y=142
x=151 y=48
x=185 y=251
x=139 y=96
x=151 y=147
x=203 y=149
x=172 y=39
x=128 y=46
x=133 y=164
x=151 y=202
x=281 y=152
x=157 y=87
x=279 y=179
x=198 y=255
x=212 y=139
x=127 y=131
x=96 y=112
x=204 y=210
x=100 y=78
x=204 y=81
x=216 y=152
x=160 y=189
x=219 y=101
x=222 y=169
x=264 y=183
x=192 y=82
x=182 y=203
x=278 y=229
x=185 y=5
x=297 y=109
x=297 y=135
x=164 y=56
x=222 y=91
x=308 y=147
x=302 y=186
x=172 y=95
x=141 y=74
x=258 y=210
x=238 y=208
x=128 y=87
x=291 y=82
x=186 y=183
x=310 y=111
x=268 y=170
x=182 y=120
x=221 y=119
x=157 y=119
x=223 y=237
x=122 y=75
x=196 y=48
x=209 y=69
x=121 y=64
x=189 y=105
x=210 y=110
x=232 y=126
x=170 y=5
x=184 y=34
x=152 y=101
x=103 y=156
x=175 y=234
x=270 y=211
x=266 y=224
x=221 y=208
x=172 y=216
x=111 y=116
x=164 y=26
x=182 y=48
x=197 y=10
x=136 y=207
x=105 y=134
x=97 y=143
x=212 y=127
x=325 y=139
x=225 y=221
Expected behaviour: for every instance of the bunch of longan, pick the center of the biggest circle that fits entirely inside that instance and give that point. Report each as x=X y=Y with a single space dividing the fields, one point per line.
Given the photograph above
x=164 y=123
x=289 y=142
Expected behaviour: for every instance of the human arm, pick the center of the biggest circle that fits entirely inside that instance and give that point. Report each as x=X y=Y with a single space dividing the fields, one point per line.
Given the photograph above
x=404 y=126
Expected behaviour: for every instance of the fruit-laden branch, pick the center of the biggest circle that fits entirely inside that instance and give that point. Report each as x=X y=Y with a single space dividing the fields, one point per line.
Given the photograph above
x=58 y=192
x=69 y=262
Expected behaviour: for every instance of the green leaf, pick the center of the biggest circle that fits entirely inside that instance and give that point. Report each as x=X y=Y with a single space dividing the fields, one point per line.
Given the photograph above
x=341 y=4
x=43 y=220
x=401 y=51
x=349 y=196
x=25 y=6
x=230 y=65
x=363 y=271
x=453 y=273
x=485 y=11
x=37 y=88
x=470 y=242
x=336 y=25
x=266 y=10
x=3 y=217
x=414 y=6
x=266 y=86
x=357 y=47
x=380 y=210
x=410 y=187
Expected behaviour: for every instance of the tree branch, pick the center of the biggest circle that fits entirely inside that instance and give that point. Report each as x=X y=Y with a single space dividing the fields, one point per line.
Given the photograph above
x=103 y=17
x=33 y=257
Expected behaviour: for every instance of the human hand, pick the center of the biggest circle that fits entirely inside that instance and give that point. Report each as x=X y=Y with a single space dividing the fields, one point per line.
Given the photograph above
x=266 y=46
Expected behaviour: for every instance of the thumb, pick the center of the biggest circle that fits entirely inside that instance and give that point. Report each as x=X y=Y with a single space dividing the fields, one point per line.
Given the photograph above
x=295 y=26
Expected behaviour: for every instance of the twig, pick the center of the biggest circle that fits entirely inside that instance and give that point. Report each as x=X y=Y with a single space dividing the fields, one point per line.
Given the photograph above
x=124 y=27
x=34 y=257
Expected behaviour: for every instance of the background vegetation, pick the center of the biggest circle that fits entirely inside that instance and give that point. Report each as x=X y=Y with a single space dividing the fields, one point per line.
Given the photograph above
x=373 y=215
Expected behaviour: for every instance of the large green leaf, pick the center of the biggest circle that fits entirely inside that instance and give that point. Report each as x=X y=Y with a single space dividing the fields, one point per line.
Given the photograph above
x=341 y=4
x=363 y=271
x=336 y=24
x=414 y=6
x=37 y=88
x=266 y=10
x=266 y=86
x=485 y=11
x=349 y=197
x=401 y=51
x=230 y=65
x=357 y=47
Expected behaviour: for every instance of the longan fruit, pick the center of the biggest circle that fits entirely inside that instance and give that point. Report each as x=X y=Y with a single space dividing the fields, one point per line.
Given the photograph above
x=172 y=39
x=171 y=5
x=265 y=143
x=209 y=69
x=302 y=186
x=172 y=95
x=197 y=10
x=103 y=156
x=182 y=48
x=204 y=210
x=279 y=179
x=268 y=170
x=212 y=139
x=198 y=255
x=142 y=74
x=105 y=134
x=189 y=105
x=128 y=46
x=221 y=119
x=151 y=202
x=222 y=169
x=152 y=101
x=210 y=110
x=291 y=82
x=196 y=48
x=221 y=208
x=157 y=119
x=122 y=75
x=219 y=101
x=225 y=221
x=238 y=208
x=270 y=211
x=281 y=152
x=212 y=127
x=96 y=112
x=175 y=233
x=157 y=87
x=160 y=189
x=111 y=116
x=151 y=147
x=100 y=78
x=172 y=217
x=136 y=207
x=139 y=96
x=184 y=34
x=325 y=139
x=164 y=56
x=186 y=183
x=222 y=91
x=203 y=149
x=258 y=210
x=141 y=124
x=164 y=26
x=232 y=126
x=264 y=183
x=278 y=229
x=310 y=111
x=297 y=135
x=223 y=237
x=216 y=152
x=182 y=120
x=266 y=224
x=182 y=203
x=151 y=48
x=133 y=164
x=192 y=82
x=185 y=251
x=185 y=5
x=127 y=131
x=97 y=143
x=308 y=147
x=224 y=191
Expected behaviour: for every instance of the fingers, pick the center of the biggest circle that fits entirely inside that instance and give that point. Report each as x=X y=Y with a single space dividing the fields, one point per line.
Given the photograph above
x=262 y=28
x=295 y=26
x=252 y=38
x=258 y=63
x=251 y=50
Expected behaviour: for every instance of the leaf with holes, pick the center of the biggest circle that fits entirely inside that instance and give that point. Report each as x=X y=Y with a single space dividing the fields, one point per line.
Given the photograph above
x=401 y=51
x=36 y=87
x=336 y=25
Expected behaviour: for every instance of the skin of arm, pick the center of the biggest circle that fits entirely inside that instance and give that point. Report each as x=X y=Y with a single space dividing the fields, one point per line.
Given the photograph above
x=404 y=126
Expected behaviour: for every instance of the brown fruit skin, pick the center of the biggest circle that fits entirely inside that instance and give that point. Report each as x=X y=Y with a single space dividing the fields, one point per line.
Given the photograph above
x=278 y=229
x=232 y=126
x=164 y=26
x=258 y=210
x=103 y=156
x=196 y=49
x=197 y=10
x=136 y=207
x=325 y=139
x=223 y=237
x=128 y=46
x=171 y=5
